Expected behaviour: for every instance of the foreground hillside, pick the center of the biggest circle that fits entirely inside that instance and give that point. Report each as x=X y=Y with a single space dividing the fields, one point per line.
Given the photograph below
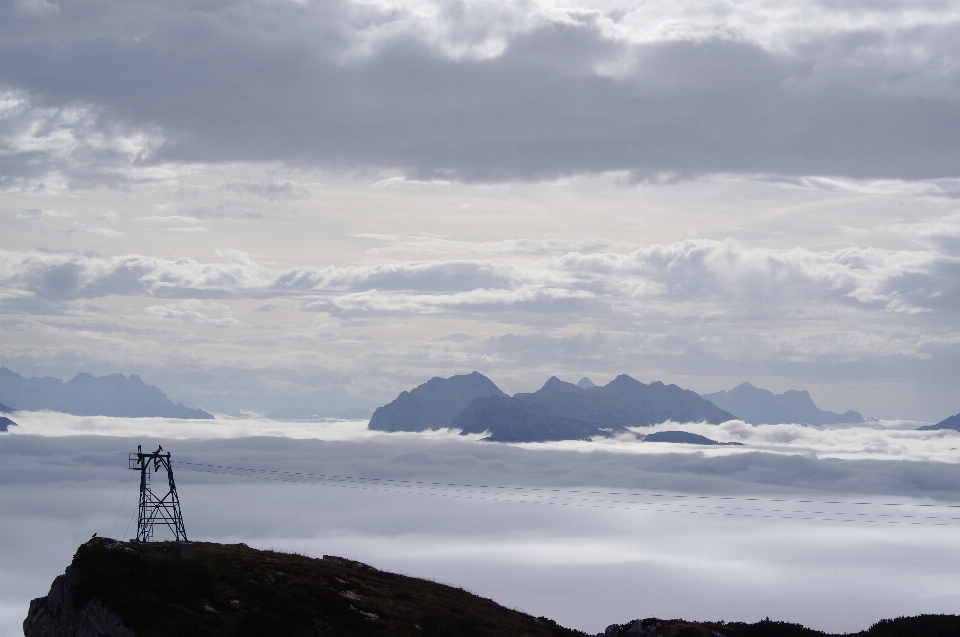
x=116 y=589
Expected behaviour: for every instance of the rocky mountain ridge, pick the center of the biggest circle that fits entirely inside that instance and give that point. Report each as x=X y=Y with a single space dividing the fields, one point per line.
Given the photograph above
x=88 y=395
x=758 y=406
x=559 y=410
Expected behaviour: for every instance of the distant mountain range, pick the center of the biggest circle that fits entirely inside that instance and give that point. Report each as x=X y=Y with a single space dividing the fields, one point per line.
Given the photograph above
x=434 y=404
x=89 y=395
x=557 y=411
x=953 y=422
x=761 y=407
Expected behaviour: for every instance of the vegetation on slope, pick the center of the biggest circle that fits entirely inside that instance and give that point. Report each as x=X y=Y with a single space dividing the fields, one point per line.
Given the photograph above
x=236 y=590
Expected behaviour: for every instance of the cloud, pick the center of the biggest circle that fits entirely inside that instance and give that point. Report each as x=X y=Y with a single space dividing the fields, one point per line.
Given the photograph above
x=942 y=234
x=835 y=576
x=272 y=190
x=492 y=91
x=52 y=218
x=40 y=214
x=679 y=278
x=50 y=149
x=187 y=311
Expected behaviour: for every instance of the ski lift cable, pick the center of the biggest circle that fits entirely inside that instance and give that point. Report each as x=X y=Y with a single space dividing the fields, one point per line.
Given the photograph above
x=538 y=490
x=602 y=504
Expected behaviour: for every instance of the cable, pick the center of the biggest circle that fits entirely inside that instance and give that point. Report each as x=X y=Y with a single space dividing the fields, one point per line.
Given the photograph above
x=135 y=511
x=538 y=495
x=423 y=484
x=132 y=476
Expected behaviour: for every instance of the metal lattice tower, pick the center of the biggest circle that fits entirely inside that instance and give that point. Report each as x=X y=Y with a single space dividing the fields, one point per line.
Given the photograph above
x=156 y=506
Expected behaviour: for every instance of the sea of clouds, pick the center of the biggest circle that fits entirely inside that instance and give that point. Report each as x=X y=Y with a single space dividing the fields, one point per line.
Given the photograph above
x=835 y=527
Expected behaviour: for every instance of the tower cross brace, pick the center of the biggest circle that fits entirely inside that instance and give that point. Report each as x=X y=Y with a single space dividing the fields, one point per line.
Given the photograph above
x=156 y=506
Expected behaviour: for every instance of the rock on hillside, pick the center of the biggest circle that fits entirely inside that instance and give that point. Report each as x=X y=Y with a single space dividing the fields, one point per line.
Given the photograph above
x=434 y=404
x=89 y=395
x=761 y=407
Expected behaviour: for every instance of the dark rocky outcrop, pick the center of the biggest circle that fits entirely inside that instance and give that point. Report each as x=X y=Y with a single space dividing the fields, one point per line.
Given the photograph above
x=88 y=395
x=953 y=422
x=6 y=422
x=56 y=615
x=761 y=407
x=434 y=404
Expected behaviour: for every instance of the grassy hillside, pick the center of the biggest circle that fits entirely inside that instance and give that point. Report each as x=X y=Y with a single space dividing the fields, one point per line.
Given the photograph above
x=236 y=590
x=232 y=590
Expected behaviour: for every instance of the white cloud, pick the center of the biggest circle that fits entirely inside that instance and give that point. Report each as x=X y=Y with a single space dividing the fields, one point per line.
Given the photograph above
x=52 y=149
x=40 y=214
x=664 y=561
x=723 y=275
x=188 y=311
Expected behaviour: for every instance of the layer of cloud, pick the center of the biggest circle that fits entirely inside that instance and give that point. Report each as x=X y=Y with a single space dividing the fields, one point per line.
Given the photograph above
x=53 y=149
x=894 y=440
x=836 y=576
x=691 y=277
x=501 y=91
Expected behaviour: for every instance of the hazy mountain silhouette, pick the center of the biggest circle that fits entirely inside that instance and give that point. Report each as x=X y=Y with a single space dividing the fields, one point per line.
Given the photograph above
x=953 y=422
x=685 y=437
x=89 y=395
x=434 y=404
x=761 y=407
x=6 y=410
x=557 y=411
x=585 y=383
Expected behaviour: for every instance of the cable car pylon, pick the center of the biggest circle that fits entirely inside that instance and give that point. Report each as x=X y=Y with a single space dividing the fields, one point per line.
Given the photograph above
x=155 y=505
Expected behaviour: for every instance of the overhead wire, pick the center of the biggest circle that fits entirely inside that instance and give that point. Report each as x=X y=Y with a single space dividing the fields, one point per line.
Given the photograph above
x=695 y=504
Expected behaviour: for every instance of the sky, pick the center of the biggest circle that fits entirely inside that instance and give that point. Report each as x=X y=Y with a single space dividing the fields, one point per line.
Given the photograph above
x=833 y=528
x=258 y=205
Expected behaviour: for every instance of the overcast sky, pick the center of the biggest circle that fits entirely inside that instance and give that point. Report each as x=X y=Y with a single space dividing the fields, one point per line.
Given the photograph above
x=262 y=204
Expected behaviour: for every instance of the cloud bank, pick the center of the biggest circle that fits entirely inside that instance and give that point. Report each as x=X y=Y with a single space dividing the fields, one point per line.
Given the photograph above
x=707 y=272
x=585 y=566
x=487 y=91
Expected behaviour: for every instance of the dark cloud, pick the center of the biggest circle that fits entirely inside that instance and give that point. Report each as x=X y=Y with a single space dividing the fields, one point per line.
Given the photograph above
x=308 y=83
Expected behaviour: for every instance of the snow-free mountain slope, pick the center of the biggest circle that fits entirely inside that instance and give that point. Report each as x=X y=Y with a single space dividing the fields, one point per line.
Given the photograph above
x=557 y=411
x=953 y=422
x=88 y=395
x=434 y=404
x=761 y=407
